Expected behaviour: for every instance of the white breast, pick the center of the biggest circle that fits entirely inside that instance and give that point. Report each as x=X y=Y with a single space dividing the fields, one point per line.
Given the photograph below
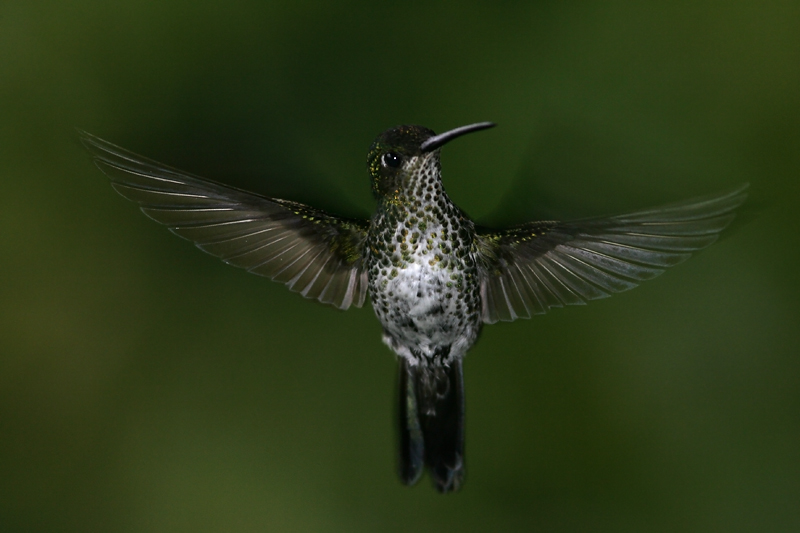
x=420 y=307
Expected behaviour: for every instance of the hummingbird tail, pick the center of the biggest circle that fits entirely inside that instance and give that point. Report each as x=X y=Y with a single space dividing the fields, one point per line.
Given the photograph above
x=432 y=423
x=412 y=447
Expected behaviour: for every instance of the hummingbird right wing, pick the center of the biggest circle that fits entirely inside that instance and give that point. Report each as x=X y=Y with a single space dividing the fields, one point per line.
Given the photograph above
x=531 y=268
x=319 y=255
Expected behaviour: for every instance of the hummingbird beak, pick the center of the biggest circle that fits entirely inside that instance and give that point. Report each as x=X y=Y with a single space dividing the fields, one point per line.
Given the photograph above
x=438 y=140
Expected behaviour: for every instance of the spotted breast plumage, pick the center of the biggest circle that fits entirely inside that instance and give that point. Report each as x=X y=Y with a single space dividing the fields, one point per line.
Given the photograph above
x=434 y=277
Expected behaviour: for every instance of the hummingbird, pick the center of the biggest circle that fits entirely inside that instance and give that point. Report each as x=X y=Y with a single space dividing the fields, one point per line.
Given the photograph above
x=433 y=275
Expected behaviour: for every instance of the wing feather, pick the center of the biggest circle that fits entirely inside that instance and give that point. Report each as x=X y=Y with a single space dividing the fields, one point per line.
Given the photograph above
x=529 y=269
x=316 y=254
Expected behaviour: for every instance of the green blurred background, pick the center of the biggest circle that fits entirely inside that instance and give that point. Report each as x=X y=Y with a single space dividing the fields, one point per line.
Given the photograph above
x=146 y=386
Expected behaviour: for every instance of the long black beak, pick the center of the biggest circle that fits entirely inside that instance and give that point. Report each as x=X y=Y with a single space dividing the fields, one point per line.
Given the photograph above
x=438 y=140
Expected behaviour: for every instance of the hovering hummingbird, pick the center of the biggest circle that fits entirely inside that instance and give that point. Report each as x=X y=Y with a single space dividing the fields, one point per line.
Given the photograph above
x=434 y=276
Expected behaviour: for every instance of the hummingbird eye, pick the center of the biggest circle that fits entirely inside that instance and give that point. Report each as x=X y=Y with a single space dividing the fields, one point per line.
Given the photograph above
x=391 y=159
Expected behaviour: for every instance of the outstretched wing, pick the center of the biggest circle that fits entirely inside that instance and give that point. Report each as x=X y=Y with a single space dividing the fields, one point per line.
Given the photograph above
x=316 y=254
x=528 y=269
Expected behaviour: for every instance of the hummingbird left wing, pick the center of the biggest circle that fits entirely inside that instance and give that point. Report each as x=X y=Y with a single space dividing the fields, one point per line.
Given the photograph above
x=528 y=269
x=319 y=255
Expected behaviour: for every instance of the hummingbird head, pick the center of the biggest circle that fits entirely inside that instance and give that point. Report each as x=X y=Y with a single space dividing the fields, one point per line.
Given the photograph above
x=405 y=151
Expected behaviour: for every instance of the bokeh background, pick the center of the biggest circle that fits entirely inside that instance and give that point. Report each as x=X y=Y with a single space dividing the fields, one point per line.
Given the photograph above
x=148 y=387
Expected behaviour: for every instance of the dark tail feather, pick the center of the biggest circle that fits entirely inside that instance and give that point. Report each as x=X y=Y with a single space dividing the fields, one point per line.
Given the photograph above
x=412 y=446
x=443 y=425
x=432 y=423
